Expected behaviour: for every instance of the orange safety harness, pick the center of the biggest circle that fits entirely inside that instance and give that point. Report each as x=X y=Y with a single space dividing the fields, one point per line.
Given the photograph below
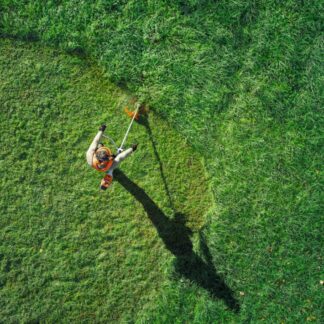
x=104 y=165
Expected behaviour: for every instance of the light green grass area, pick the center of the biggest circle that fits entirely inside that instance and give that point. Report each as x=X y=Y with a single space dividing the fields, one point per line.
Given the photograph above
x=242 y=82
x=69 y=251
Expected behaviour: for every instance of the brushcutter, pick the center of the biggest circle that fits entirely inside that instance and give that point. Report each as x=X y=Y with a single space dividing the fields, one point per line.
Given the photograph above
x=134 y=115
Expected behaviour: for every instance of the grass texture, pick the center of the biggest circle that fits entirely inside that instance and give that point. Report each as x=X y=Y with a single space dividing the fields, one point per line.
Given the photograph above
x=69 y=251
x=242 y=81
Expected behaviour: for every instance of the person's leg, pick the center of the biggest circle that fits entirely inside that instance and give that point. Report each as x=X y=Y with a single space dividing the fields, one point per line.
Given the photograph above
x=107 y=180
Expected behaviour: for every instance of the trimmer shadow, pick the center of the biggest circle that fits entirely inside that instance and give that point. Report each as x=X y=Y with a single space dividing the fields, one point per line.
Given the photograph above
x=143 y=120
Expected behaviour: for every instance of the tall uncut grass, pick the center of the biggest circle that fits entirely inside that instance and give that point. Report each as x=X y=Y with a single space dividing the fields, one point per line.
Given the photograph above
x=241 y=81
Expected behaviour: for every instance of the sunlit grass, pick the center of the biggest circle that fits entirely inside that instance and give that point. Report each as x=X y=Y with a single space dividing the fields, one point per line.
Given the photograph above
x=241 y=81
x=68 y=250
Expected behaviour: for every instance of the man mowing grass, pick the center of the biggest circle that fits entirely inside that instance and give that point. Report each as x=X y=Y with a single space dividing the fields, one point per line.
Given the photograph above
x=101 y=158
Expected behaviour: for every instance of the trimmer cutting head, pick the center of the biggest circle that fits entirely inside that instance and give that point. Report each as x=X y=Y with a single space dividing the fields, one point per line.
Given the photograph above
x=132 y=113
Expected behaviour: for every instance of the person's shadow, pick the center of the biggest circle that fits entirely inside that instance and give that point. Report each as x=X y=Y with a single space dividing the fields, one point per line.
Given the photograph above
x=176 y=237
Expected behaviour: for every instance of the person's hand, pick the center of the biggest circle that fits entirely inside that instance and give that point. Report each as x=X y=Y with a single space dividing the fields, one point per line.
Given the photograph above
x=102 y=128
x=134 y=147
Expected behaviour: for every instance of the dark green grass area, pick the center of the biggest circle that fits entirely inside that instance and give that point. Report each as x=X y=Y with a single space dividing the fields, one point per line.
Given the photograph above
x=190 y=60
x=242 y=81
x=68 y=251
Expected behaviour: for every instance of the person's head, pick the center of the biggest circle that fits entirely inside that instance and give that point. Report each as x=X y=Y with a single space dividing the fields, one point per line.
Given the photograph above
x=102 y=155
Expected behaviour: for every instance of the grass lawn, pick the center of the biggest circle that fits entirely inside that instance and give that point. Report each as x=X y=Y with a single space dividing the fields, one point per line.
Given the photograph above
x=69 y=251
x=217 y=218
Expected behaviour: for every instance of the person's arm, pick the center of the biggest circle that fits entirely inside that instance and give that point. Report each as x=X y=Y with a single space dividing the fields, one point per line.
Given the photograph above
x=122 y=156
x=92 y=148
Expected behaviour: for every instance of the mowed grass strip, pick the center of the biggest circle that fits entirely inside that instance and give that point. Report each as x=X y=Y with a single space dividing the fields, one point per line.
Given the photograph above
x=69 y=251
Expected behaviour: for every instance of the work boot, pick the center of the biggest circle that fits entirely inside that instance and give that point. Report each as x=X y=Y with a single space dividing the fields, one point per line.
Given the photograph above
x=106 y=182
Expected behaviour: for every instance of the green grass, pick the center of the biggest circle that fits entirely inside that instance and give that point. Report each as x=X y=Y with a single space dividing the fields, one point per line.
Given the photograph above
x=68 y=250
x=189 y=59
x=242 y=82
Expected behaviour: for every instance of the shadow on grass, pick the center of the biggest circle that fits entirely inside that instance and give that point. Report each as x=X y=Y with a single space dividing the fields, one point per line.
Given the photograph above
x=176 y=237
x=143 y=120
